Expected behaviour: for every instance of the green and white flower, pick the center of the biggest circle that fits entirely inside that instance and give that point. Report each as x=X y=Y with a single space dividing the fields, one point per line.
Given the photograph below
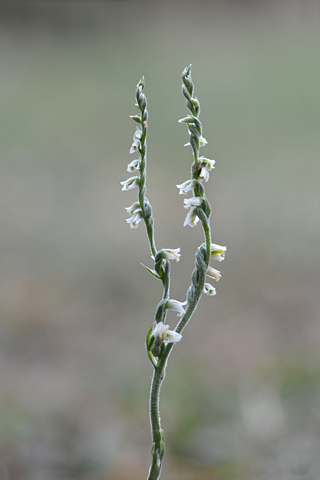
x=217 y=252
x=191 y=219
x=134 y=165
x=132 y=182
x=193 y=202
x=135 y=219
x=133 y=208
x=213 y=273
x=176 y=306
x=162 y=333
x=207 y=162
x=202 y=142
x=186 y=187
x=209 y=289
x=172 y=254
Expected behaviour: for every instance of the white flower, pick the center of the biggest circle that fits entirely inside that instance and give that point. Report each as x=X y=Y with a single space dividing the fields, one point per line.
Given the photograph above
x=209 y=289
x=130 y=183
x=137 y=134
x=204 y=174
x=191 y=219
x=133 y=208
x=176 y=306
x=193 y=202
x=213 y=273
x=172 y=254
x=135 y=146
x=217 y=252
x=134 y=165
x=186 y=187
x=202 y=142
x=135 y=219
x=208 y=163
x=163 y=334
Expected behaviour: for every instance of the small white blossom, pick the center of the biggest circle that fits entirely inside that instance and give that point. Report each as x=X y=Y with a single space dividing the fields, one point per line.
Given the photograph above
x=130 y=183
x=176 y=306
x=186 y=187
x=191 y=219
x=193 y=202
x=135 y=146
x=204 y=174
x=217 y=252
x=172 y=254
x=134 y=165
x=135 y=219
x=213 y=273
x=163 y=334
x=133 y=208
x=202 y=142
x=207 y=162
x=137 y=134
x=209 y=289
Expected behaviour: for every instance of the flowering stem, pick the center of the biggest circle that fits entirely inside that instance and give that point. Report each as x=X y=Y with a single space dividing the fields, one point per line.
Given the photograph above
x=160 y=339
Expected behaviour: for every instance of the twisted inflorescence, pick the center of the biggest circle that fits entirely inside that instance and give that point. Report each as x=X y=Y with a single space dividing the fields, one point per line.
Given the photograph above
x=160 y=339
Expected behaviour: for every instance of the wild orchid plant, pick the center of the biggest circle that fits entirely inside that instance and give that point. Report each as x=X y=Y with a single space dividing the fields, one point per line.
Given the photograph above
x=160 y=339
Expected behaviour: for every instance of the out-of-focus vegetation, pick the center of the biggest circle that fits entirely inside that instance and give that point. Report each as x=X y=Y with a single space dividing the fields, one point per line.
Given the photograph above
x=75 y=302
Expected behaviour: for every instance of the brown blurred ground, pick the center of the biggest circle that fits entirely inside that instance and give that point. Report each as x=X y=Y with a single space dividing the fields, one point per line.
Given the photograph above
x=242 y=393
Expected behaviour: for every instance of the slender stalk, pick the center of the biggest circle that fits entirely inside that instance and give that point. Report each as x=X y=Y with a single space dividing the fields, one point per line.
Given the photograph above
x=160 y=339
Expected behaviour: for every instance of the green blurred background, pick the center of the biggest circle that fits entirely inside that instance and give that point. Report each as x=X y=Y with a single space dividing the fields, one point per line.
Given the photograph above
x=241 y=398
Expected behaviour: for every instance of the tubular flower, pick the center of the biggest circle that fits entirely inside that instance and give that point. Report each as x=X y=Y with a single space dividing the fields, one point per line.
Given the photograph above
x=133 y=208
x=217 y=252
x=209 y=289
x=130 y=183
x=176 y=306
x=135 y=146
x=204 y=174
x=192 y=202
x=136 y=141
x=172 y=254
x=213 y=273
x=163 y=334
x=134 y=165
x=191 y=219
x=202 y=141
x=135 y=219
x=209 y=164
x=186 y=187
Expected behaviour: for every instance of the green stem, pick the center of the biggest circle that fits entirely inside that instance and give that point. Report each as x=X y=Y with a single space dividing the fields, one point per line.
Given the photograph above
x=160 y=370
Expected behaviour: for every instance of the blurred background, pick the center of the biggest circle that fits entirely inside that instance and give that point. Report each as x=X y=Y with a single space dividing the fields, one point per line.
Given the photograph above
x=241 y=399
